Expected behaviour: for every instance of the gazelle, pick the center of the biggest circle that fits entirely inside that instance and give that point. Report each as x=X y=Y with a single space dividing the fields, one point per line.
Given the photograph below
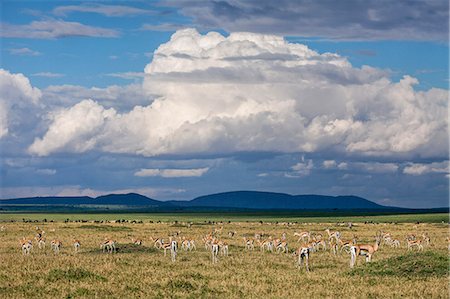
x=166 y=246
x=76 y=245
x=188 y=244
x=266 y=245
x=411 y=237
x=366 y=250
x=157 y=242
x=249 y=244
x=414 y=243
x=394 y=243
x=223 y=248
x=173 y=250
x=108 y=246
x=136 y=241
x=347 y=244
x=282 y=247
x=333 y=235
x=56 y=246
x=318 y=244
x=214 y=250
x=41 y=242
x=303 y=253
x=26 y=246
x=305 y=237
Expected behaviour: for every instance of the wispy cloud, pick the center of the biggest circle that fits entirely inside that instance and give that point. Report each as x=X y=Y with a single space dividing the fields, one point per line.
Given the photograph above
x=128 y=75
x=46 y=171
x=48 y=75
x=24 y=52
x=106 y=10
x=163 y=27
x=53 y=29
x=172 y=173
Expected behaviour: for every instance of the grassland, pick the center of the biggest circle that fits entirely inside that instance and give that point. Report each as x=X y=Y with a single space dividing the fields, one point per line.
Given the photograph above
x=144 y=272
x=320 y=217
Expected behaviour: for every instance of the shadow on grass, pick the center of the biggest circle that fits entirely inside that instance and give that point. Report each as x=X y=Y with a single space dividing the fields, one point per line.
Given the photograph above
x=124 y=249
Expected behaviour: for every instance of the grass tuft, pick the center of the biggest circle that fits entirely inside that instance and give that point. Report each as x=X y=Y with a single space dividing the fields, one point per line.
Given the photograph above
x=413 y=264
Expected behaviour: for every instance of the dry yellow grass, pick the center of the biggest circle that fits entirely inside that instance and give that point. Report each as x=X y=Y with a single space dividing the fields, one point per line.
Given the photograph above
x=144 y=272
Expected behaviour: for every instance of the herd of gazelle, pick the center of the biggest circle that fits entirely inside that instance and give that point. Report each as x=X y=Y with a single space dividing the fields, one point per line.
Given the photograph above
x=310 y=242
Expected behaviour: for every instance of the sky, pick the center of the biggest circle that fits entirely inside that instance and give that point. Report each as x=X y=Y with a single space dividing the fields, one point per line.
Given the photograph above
x=178 y=99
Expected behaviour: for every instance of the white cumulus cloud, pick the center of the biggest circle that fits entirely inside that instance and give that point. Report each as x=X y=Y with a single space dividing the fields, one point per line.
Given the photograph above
x=422 y=168
x=16 y=95
x=248 y=92
x=172 y=173
x=74 y=129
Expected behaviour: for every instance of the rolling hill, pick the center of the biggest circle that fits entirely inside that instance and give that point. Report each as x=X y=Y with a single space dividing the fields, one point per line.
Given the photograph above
x=270 y=200
x=253 y=200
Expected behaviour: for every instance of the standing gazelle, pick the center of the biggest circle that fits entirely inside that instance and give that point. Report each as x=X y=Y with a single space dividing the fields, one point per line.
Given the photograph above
x=173 y=250
x=26 y=246
x=76 y=245
x=214 y=250
x=366 y=250
x=303 y=253
x=56 y=246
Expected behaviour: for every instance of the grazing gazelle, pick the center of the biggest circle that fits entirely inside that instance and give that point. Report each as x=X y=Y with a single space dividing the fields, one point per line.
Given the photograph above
x=188 y=244
x=136 y=241
x=282 y=247
x=26 y=245
x=303 y=236
x=56 y=246
x=108 y=246
x=414 y=243
x=347 y=244
x=157 y=242
x=366 y=250
x=249 y=244
x=76 y=245
x=333 y=235
x=41 y=242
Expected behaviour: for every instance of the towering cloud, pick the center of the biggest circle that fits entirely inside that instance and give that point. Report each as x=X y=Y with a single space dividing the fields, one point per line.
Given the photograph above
x=16 y=95
x=248 y=92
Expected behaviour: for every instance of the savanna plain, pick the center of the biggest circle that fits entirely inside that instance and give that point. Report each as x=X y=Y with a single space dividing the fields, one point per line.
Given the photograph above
x=143 y=271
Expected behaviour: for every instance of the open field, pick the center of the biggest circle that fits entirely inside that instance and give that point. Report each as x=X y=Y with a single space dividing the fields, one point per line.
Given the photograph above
x=143 y=271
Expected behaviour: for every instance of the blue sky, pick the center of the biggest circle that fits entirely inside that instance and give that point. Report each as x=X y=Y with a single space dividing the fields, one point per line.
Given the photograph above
x=169 y=99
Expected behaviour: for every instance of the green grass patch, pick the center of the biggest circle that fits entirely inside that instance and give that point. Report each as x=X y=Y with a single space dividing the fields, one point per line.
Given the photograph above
x=413 y=264
x=106 y=228
x=73 y=274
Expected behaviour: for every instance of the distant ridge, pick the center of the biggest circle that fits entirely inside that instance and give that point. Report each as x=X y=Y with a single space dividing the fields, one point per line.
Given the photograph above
x=130 y=199
x=237 y=200
x=271 y=200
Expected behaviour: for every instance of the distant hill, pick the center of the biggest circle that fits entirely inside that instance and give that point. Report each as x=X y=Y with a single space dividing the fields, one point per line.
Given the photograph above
x=270 y=200
x=244 y=200
x=130 y=199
